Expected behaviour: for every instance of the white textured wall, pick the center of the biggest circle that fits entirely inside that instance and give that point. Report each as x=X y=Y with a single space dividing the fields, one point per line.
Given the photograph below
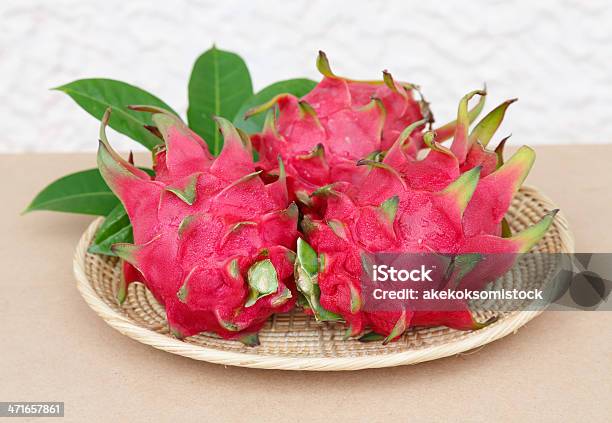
x=556 y=56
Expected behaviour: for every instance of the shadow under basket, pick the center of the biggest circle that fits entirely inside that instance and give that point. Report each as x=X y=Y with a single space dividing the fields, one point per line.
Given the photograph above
x=295 y=341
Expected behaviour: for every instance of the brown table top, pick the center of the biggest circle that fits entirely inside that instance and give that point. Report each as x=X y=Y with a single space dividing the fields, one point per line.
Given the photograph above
x=54 y=348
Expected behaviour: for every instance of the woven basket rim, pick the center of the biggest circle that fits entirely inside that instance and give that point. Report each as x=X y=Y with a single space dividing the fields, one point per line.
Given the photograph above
x=506 y=325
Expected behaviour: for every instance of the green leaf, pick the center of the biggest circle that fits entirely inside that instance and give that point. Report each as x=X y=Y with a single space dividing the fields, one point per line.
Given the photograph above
x=81 y=192
x=115 y=228
x=298 y=87
x=96 y=95
x=220 y=82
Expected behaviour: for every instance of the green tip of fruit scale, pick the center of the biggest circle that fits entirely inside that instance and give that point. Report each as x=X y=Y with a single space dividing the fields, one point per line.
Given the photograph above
x=250 y=340
x=307 y=257
x=367 y=264
x=281 y=298
x=390 y=83
x=104 y=122
x=324 y=191
x=462 y=189
x=405 y=134
x=389 y=208
x=322 y=261
x=371 y=337
x=282 y=174
x=306 y=267
x=126 y=252
x=269 y=126
x=429 y=139
x=307 y=225
x=518 y=167
x=349 y=332
x=337 y=228
x=446 y=131
x=384 y=166
x=108 y=162
x=400 y=327
x=241 y=180
x=226 y=127
x=307 y=110
x=163 y=123
x=462 y=112
x=529 y=237
x=176 y=332
x=477 y=325
x=485 y=129
x=376 y=104
x=317 y=151
x=356 y=302
x=264 y=107
x=226 y=324
x=181 y=294
x=388 y=80
x=185 y=224
x=292 y=211
x=129 y=252
x=323 y=65
x=112 y=166
x=506 y=231
x=233 y=269
x=186 y=191
x=231 y=135
x=463 y=264
x=499 y=151
x=263 y=281
x=461 y=140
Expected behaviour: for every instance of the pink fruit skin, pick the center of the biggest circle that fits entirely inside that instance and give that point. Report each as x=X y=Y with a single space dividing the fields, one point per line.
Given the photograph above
x=203 y=224
x=346 y=120
x=200 y=226
x=443 y=204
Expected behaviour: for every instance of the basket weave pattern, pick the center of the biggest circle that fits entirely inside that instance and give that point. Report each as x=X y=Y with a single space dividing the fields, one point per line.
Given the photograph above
x=295 y=341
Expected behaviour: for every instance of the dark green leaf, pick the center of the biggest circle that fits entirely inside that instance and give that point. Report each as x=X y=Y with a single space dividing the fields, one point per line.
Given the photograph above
x=82 y=192
x=96 y=95
x=115 y=228
x=297 y=87
x=219 y=84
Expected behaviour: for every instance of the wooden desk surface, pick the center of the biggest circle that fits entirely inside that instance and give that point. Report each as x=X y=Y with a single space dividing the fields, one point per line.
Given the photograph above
x=54 y=348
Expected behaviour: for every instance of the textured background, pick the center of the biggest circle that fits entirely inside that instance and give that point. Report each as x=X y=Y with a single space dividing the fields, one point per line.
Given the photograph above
x=556 y=56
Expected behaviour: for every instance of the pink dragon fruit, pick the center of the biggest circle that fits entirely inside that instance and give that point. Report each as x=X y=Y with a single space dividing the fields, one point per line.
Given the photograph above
x=320 y=136
x=213 y=242
x=443 y=204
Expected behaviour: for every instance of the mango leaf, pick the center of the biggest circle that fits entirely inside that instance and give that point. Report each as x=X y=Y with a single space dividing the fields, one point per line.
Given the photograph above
x=115 y=228
x=298 y=87
x=96 y=95
x=82 y=192
x=220 y=82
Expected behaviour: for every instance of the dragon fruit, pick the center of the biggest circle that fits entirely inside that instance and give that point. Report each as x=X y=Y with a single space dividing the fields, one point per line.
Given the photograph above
x=320 y=136
x=213 y=242
x=445 y=203
x=323 y=134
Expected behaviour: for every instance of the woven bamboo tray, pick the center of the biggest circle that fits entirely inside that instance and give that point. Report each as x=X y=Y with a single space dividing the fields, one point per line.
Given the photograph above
x=295 y=341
